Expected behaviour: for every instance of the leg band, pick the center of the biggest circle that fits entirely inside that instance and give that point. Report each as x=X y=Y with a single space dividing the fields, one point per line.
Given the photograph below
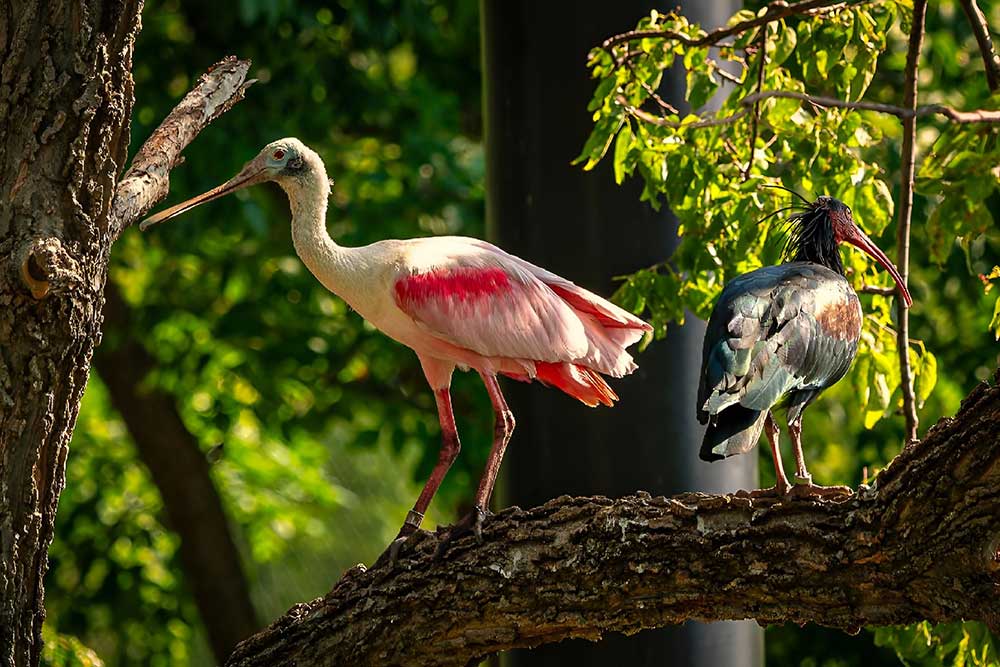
x=413 y=518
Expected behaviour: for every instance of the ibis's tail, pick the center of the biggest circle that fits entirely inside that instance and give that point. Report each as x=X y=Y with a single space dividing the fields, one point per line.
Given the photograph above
x=735 y=430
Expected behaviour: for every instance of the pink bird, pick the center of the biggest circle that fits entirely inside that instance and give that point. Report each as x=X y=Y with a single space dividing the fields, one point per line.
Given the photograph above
x=457 y=302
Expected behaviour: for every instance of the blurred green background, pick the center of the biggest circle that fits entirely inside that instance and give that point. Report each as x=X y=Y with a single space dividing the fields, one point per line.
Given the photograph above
x=328 y=427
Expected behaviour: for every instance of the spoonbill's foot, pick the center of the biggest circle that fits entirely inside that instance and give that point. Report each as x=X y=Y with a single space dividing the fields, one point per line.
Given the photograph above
x=410 y=527
x=470 y=524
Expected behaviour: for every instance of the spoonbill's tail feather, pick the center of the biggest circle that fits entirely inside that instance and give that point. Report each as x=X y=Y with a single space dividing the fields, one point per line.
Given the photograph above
x=580 y=382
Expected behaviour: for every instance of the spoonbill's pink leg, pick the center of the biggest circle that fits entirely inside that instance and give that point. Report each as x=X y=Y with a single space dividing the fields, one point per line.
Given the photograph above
x=450 y=447
x=503 y=427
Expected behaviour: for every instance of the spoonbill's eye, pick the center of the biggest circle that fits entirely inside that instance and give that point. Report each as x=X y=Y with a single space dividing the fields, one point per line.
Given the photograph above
x=278 y=154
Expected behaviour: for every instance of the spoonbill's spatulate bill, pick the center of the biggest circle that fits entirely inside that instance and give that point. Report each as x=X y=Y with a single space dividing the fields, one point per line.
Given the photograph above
x=457 y=302
x=782 y=334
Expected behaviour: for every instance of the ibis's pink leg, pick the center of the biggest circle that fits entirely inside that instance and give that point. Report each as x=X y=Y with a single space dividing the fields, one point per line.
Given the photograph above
x=795 y=432
x=804 y=483
x=772 y=432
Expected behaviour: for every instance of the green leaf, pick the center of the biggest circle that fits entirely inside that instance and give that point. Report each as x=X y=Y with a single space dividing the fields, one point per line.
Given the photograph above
x=600 y=140
x=701 y=86
x=784 y=44
x=66 y=651
x=924 y=381
x=624 y=160
x=952 y=644
x=995 y=322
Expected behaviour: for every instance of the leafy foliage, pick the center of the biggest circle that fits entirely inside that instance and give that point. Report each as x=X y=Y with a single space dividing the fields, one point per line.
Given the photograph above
x=988 y=285
x=954 y=645
x=711 y=168
x=715 y=182
x=117 y=558
x=66 y=651
x=961 y=173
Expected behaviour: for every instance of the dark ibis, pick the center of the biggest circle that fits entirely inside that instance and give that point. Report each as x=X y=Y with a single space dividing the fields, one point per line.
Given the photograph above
x=780 y=335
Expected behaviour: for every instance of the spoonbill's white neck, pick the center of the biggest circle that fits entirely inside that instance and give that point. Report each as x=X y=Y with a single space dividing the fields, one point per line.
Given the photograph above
x=308 y=193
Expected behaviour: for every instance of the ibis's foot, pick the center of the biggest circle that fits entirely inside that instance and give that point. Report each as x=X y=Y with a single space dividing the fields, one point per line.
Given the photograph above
x=410 y=527
x=810 y=490
x=779 y=490
x=470 y=524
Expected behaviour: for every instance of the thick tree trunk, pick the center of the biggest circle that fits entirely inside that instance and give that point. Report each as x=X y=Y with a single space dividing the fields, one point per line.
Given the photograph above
x=208 y=552
x=922 y=543
x=65 y=104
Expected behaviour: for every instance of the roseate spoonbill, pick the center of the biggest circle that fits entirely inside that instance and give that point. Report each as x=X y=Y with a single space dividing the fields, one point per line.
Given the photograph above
x=457 y=302
x=780 y=335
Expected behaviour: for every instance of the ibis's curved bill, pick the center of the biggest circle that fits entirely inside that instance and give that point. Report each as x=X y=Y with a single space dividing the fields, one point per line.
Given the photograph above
x=860 y=240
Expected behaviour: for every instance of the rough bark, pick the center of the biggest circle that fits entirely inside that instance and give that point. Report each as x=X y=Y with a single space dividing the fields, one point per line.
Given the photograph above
x=66 y=98
x=208 y=553
x=922 y=543
x=65 y=102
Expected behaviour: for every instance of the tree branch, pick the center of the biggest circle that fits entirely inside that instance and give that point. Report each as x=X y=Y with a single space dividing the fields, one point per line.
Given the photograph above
x=147 y=180
x=881 y=291
x=664 y=122
x=954 y=115
x=775 y=11
x=907 y=166
x=755 y=118
x=982 y=32
x=922 y=543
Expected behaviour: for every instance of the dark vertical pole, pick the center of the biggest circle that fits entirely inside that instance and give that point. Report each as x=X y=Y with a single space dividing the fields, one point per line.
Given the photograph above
x=586 y=228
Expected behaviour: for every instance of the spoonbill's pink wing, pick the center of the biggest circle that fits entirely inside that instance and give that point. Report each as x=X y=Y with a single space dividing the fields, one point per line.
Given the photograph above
x=583 y=300
x=491 y=309
x=483 y=299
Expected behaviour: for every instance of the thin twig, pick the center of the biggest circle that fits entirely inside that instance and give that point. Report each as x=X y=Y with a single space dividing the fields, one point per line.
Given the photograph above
x=775 y=11
x=666 y=106
x=905 y=214
x=880 y=291
x=755 y=117
x=982 y=32
x=147 y=180
x=729 y=76
x=954 y=115
x=663 y=122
